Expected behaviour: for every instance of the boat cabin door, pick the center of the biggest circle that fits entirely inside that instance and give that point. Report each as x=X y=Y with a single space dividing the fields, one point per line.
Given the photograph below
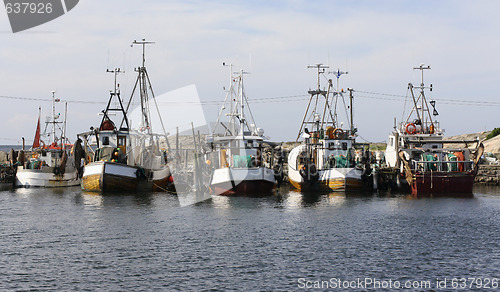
x=122 y=144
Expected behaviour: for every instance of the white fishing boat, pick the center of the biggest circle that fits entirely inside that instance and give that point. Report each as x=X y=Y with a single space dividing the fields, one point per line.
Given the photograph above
x=326 y=158
x=243 y=162
x=51 y=162
x=123 y=159
x=416 y=150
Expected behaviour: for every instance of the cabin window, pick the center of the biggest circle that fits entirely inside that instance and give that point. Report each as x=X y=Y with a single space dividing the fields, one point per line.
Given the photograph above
x=391 y=142
x=105 y=141
x=344 y=145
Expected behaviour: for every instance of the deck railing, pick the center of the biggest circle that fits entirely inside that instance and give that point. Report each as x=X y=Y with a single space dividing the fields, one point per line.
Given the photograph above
x=445 y=166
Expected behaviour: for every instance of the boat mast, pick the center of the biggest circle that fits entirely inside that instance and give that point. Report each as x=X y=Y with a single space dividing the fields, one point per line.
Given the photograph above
x=237 y=100
x=422 y=68
x=53 y=116
x=232 y=105
x=63 y=138
x=314 y=93
x=143 y=81
x=422 y=111
x=144 y=84
x=338 y=92
x=338 y=74
x=350 y=108
x=116 y=71
x=116 y=93
x=52 y=120
x=242 y=115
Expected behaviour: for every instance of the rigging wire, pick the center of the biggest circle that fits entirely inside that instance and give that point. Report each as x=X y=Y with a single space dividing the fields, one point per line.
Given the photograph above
x=50 y=100
x=288 y=98
x=443 y=100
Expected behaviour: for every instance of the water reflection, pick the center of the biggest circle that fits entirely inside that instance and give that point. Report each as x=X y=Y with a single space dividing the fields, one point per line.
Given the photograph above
x=283 y=198
x=92 y=199
x=243 y=202
x=486 y=190
x=114 y=199
x=191 y=198
x=37 y=191
x=288 y=198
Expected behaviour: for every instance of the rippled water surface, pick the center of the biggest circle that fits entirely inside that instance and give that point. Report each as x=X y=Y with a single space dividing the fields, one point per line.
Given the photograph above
x=68 y=240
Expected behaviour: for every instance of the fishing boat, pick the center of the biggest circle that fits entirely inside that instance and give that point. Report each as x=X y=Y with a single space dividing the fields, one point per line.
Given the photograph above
x=51 y=162
x=243 y=161
x=120 y=158
x=416 y=148
x=326 y=158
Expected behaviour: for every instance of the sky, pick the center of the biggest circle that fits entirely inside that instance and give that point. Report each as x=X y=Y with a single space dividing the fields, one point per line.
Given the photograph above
x=377 y=42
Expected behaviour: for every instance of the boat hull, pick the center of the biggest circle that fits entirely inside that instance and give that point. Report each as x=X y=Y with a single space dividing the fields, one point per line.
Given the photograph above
x=442 y=183
x=336 y=184
x=240 y=181
x=336 y=179
x=105 y=176
x=45 y=177
x=323 y=178
x=161 y=180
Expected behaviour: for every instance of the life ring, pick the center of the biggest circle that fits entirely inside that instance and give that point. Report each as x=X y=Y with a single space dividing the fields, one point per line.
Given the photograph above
x=337 y=133
x=413 y=129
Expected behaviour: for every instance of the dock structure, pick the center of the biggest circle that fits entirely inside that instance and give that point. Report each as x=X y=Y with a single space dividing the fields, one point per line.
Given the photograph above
x=488 y=175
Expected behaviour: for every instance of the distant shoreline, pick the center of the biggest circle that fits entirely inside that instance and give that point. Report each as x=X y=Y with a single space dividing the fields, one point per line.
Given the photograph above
x=7 y=148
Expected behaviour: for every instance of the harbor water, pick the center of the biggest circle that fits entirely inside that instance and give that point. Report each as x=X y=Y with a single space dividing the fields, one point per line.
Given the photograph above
x=67 y=240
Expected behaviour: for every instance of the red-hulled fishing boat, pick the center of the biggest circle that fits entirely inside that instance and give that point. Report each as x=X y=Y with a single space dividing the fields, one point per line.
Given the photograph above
x=416 y=147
